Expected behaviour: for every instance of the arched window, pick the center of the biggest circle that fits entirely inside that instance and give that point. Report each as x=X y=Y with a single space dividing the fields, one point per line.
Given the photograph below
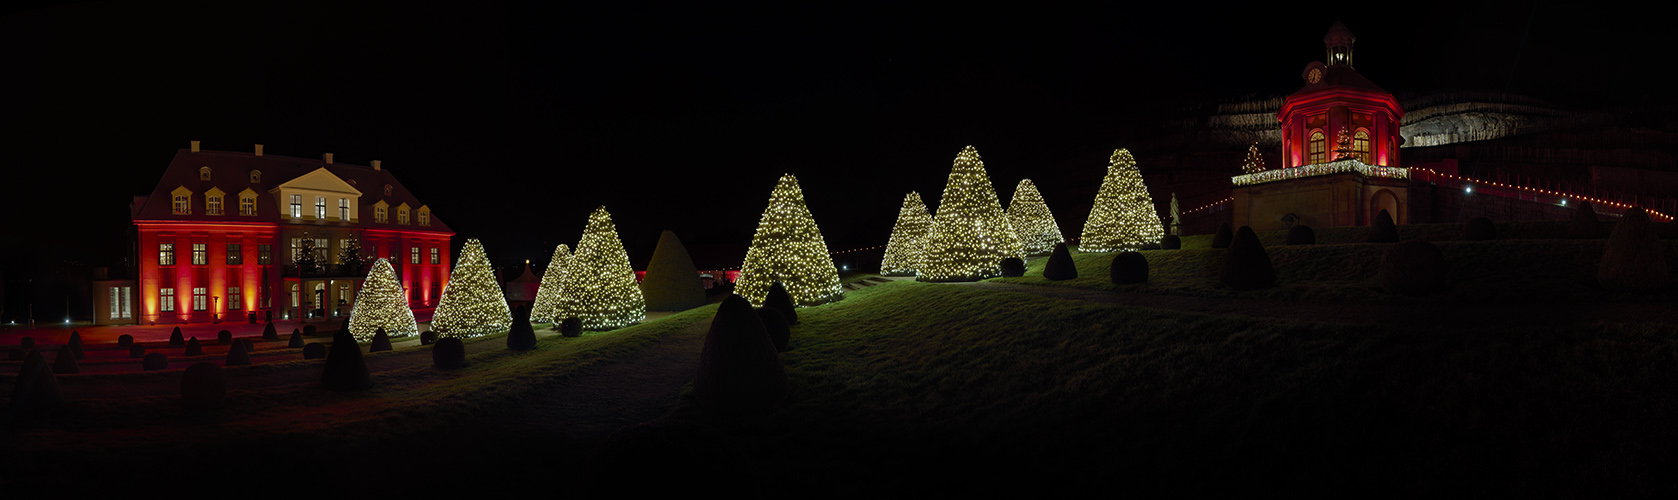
x=1360 y=146
x=203 y=173
x=1315 y=148
x=256 y=176
x=387 y=189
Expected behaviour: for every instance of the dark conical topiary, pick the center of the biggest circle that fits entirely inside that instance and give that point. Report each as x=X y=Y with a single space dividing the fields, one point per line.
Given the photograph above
x=175 y=339
x=1382 y=230
x=1413 y=267
x=1060 y=265
x=250 y=345
x=1301 y=234
x=224 y=337
x=1479 y=229
x=345 y=326
x=671 y=282
x=296 y=340
x=780 y=333
x=124 y=341
x=428 y=337
x=1634 y=259
x=1246 y=264
x=35 y=392
x=450 y=353
x=193 y=348
x=315 y=350
x=154 y=362
x=522 y=337
x=203 y=386
x=779 y=299
x=739 y=369
x=1013 y=267
x=381 y=341
x=27 y=343
x=1223 y=237
x=238 y=355
x=571 y=327
x=1171 y=242
x=1584 y=225
x=1127 y=268
x=268 y=332
x=66 y=361
x=75 y=344
x=345 y=368
x=136 y=351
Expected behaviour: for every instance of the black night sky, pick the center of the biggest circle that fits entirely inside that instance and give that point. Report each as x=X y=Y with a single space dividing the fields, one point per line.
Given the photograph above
x=513 y=121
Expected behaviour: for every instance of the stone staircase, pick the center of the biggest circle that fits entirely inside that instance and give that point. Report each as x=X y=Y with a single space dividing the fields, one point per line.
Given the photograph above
x=858 y=285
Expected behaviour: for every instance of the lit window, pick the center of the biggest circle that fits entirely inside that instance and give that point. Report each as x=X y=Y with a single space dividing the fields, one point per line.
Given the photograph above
x=413 y=255
x=119 y=302
x=296 y=206
x=344 y=209
x=296 y=246
x=234 y=258
x=379 y=214
x=425 y=217
x=234 y=298
x=200 y=254
x=434 y=259
x=1360 y=145
x=183 y=204
x=247 y=205
x=264 y=254
x=212 y=205
x=293 y=295
x=200 y=299
x=165 y=254
x=320 y=207
x=166 y=297
x=402 y=216
x=1316 y=145
x=322 y=245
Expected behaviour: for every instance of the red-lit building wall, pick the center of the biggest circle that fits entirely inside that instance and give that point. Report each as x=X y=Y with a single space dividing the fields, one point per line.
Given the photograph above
x=1331 y=110
x=215 y=275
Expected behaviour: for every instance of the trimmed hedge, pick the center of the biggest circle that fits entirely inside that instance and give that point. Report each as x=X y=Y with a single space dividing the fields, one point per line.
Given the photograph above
x=268 y=332
x=1301 y=234
x=1012 y=267
x=1479 y=229
x=1382 y=230
x=739 y=370
x=779 y=299
x=671 y=282
x=774 y=324
x=428 y=337
x=1060 y=266
x=345 y=368
x=1127 y=268
x=124 y=341
x=136 y=351
x=1413 y=268
x=448 y=353
x=1171 y=242
x=193 y=348
x=224 y=337
x=238 y=355
x=571 y=327
x=1584 y=225
x=1223 y=237
x=296 y=339
x=1246 y=264
x=1634 y=259
x=76 y=344
x=65 y=362
x=522 y=337
x=381 y=341
x=35 y=392
x=175 y=339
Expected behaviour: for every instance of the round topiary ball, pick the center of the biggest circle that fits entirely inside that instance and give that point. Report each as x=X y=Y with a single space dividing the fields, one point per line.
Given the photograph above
x=136 y=351
x=155 y=361
x=268 y=332
x=203 y=386
x=125 y=340
x=1128 y=267
x=381 y=341
x=346 y=369
x=1634 y=259
x=1223 y=237
x=428 y=337
x=779 y=299
x=780 y=333
x=224 y=337
x=739 y=370
x=521 y=337
x=1301 y=234
x=571 y=327
x=1246 y=264
x=66 y=361
x=1060 y=266
x=1171 y=242
x=296 y=340
x=1479 y=229
x=448 y=353
x=175 y=339
x=193 y=348
x=1584 y=224
x=1013 y=267
x=315 y=350
x=1382 y=230
x=1413 y=268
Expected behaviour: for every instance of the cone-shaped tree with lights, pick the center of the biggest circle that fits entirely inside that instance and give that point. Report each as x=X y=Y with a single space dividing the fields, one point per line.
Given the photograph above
x=1032 y=220
x=788 y=248
x=472 y=303
x=903 y=251
x=1254 y=162
x=381 y=304
x=1123 y=216
x=970 y=234
x=547 y=306
x=598 y=286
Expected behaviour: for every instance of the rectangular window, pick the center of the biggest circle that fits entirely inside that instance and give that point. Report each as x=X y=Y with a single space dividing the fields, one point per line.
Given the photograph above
x=414 y=253
x=296 y=247
x=183 y=205
x=116 y=306
x=434 y=259
x=166 y=297
x=234 y=298
x=379 y=214
x=200 y=254
x=322 y=245
x=234 y=255
x=199 y=298
x=425 y=218
x=212 y=205
x=401 y=216
x=343 y=209
x=247 y=206
x=264 y=254
x=165 y=254
x=127 y=302
x=320 y=207
x=296 y=206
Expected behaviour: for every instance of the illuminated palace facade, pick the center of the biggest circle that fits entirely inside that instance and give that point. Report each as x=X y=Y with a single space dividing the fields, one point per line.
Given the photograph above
x=219 y=238
x=1340 y=152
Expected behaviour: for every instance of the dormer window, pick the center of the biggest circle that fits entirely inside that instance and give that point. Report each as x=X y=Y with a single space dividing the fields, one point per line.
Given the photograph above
x=247 y=205
x=402 y=215
x=387 y=189
x=424 y=217
x=183 y=204
x=212 y=205
x=256 y=176
x=203 y=173
x=379 y=214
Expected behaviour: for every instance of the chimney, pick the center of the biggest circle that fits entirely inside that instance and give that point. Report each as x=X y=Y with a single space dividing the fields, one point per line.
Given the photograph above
x=376 y=165
x=259 y=150
x=327 y=157
x=195 y=146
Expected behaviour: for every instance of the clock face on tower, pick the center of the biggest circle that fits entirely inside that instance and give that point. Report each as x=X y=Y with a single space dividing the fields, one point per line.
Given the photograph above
x=1316 y=75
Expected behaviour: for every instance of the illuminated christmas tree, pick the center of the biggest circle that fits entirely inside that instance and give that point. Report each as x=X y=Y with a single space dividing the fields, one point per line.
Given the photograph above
x=1032 y=221
x=970 y=234
x=350 y=258
x=381 y=304
x=1123 y=217
x=472 y=303
x=305 y=258
x=788 y=248
x=903 y=250
x=547 y=303
x=598 y=286
x=1254 y=162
